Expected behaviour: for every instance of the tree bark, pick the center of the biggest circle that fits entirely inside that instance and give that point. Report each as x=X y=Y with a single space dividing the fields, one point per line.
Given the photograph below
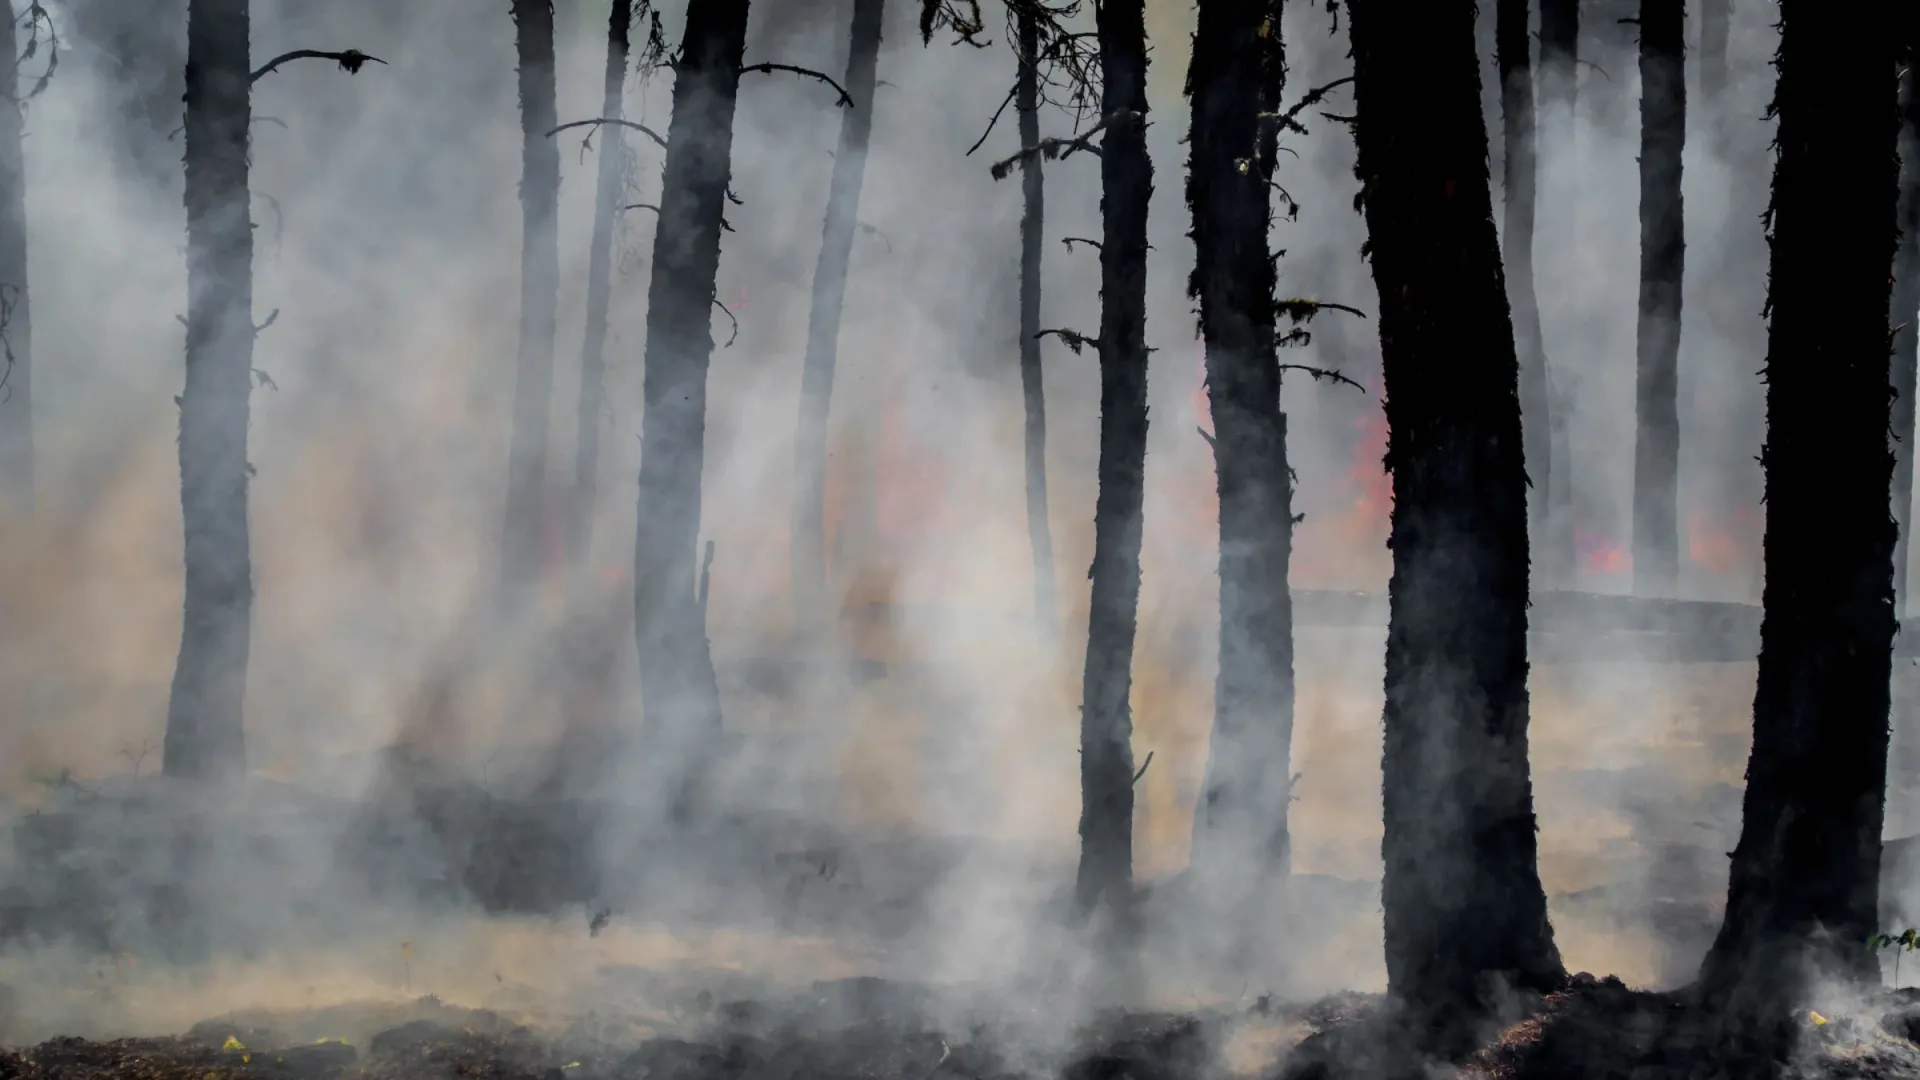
x=205 y=730
x=1558 y=140
x=680 y=695
x=1906 y=310
x=1663 y=245
x=524 y=530
x=1513 y=46
x=1106 y=721
x=1464 y=909
x=611 y=184
x=1033 y=189
x=1802 y=891
x=16 y=323
x=809 y=566
x=1240 y=837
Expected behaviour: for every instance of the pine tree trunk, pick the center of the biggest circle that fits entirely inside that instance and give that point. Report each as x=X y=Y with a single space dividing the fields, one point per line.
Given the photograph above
x=809 y=567
x=679 y=692
x=1557 y=138
x=593 y=352
x=1906 y=314
x=16 y=324
x=526 y=511
x=1802 y=894
x=1105 y=876
x=1464 y=909
x=1033 y=393
x=1656 y=456
x=1240 y=837
x=205 y=735
x=1513 y=46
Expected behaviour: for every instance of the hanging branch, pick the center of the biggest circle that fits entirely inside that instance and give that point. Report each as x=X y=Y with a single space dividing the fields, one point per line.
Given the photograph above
x=731 y=338
x=1322 y=375
x=1290 y=120
x=350 y=61
x=1069 y=241
x=846 y=99
x=643 y=129
x=1055 y=149
x=1073 y=339
x=37 y=21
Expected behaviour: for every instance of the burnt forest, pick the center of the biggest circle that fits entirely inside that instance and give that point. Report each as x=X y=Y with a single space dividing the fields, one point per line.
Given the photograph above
x=544 y=540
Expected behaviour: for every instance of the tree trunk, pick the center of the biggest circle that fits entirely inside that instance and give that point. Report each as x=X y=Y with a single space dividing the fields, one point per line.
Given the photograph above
x=205 y=731
x=1464 y=908
x=1906 y=310
x=1105 y=876
x=1513 y=45
x=1236 y=74
x=611 y=185
x=1663 y=246
x=1033 y=393
x=809 y=567
x=679 y=692
x=16 y=325
x=526 y=510
x=1802 y=890
x=1558 y=139
x=1716 y=20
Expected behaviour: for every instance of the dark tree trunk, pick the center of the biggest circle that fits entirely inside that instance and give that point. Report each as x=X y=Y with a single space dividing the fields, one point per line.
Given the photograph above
x=1663 y=246
x=1559 y=82
x=610 y=186
x=1716 y=20
x=1802 y=891
x=677 y=684
x=16 y=324
x=809 y=566
x=205 y=731
x=1033 y=189
x=1462 y=897
x=1106 y=719
x=526 y=510
x=1906 y=310
x=1237 y=72
x=1513 y=46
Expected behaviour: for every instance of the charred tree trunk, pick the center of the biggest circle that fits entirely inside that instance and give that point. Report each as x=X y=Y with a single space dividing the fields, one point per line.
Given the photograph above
x=1802 y=891
x=1513 y=46
x=593 y=351
x=1906 y=310
x=677 y=684
x=1716 y=21
x=1464 y=907
x=205 y=735
x=1033 y=393
x=809 y=566
x=1236 y=75
x=16 y=324
x=1558 y=140
x=1106 y=719
x=1663 y=246
x=526 y=509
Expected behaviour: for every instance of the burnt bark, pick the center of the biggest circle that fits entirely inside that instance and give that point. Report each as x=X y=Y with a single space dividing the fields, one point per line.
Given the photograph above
x=1557 y=139
x=679 y=694
x=16 y=322
x=1802 y=890
x=1238 y=70
x=1033 y=394
x=1663 y=245
x=1106 y=720
x=809 y=565
x=205 y=730
x=610 y=183
x=524 y=530
x=1464 y=909
x=1513 y=48
x=1906 y=311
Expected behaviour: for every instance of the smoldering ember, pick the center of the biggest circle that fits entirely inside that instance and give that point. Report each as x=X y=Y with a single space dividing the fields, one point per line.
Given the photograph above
x=1489 y=661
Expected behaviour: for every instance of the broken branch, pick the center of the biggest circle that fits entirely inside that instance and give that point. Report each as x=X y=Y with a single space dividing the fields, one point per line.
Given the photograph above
x=1054 y=148
x=1011 y=91
x=846 y=99
x=731 y=338
x=1289 y=120
x=1143 y=767
x=617 y=122
x=1326 y=374
x=1069 y=241
x=1072 y=338
x=350 y=61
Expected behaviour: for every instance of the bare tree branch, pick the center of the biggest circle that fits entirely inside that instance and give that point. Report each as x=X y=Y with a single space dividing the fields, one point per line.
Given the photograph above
x=1289 y=120
x=1069 y=241
x=617 y=122
x=1073 y=339
x=846 y=99
x=350 y=61
x=1143 y=767
x=1053 y=148
x=1323 y=375
x=995 y=119
x=731 y=338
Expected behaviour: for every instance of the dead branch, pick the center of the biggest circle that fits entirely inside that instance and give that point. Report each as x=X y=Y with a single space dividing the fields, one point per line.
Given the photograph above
x=272 y=317
x=1204 y=434
x=643 y=129
x=874 y=230
x=37 y=21
x=1289 y=120
x=1053 y=149
x=350 y=61
x=263 y=380
x=1069 y=241
x=1300 y=310
x=994 y=119
x=846 y=99
x=706 y=576
x=731 y=338
x=1323 y=374
x=1073 y=339
x=1143 y=767
x=641 y=206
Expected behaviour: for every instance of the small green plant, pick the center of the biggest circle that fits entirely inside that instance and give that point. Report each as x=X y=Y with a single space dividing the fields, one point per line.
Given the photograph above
x=1904 y=943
